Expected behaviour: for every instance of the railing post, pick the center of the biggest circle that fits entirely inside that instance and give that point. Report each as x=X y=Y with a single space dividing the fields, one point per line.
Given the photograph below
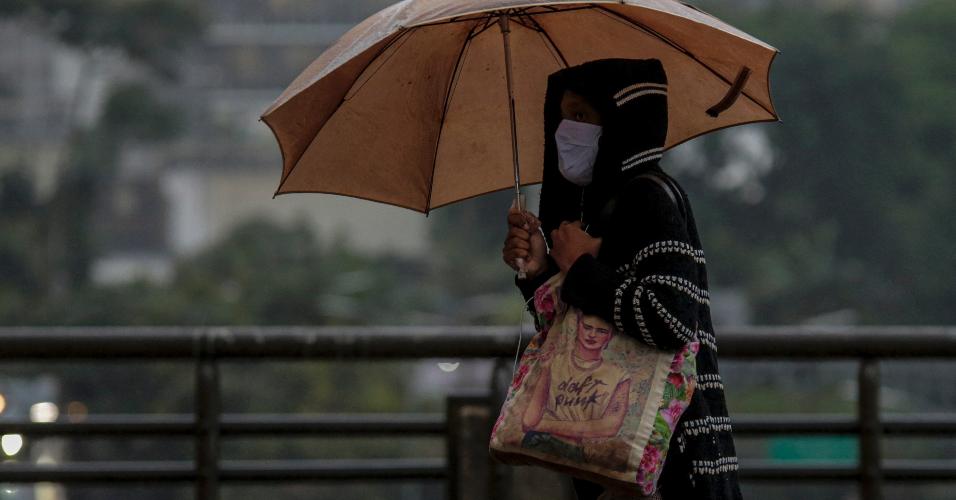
x=469 y=464
x=208 y=411
x=871 y=430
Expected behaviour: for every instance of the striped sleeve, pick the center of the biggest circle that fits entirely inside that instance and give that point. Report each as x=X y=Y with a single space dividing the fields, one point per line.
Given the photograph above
x=656 y=296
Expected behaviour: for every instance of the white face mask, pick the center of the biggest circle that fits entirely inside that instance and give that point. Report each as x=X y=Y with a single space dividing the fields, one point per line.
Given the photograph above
x=577 y=150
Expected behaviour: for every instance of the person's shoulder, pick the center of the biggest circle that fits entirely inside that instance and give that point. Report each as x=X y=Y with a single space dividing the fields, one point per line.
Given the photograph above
x=649 y=193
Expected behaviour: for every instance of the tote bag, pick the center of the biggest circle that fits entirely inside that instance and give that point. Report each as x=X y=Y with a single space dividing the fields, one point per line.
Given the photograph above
x=590 y=402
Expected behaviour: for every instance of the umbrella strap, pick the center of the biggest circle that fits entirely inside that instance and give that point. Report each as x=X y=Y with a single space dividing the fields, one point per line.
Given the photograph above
x=732 y=93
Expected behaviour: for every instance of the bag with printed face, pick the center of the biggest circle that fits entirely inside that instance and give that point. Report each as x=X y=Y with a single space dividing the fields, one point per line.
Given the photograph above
x=590 y=402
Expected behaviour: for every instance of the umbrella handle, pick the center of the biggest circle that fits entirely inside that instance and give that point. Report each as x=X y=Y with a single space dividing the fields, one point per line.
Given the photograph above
x=518 y=203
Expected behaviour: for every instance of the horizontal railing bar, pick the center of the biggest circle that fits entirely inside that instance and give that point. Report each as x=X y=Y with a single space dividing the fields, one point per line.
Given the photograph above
x=794 y=424
x=240 y=425
x=919 y=470
x=99 y=471
x=101 y=425
x=837 y=342
x=336 y=470
x=359 y=423
x=415 y=469
x=380 y=343
x=924 y=424
x=892 y=470
x=435 y=424
x=231 y=470
x=777 y=471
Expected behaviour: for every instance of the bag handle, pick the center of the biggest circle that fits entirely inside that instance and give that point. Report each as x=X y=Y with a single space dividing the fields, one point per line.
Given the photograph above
x=672 y=192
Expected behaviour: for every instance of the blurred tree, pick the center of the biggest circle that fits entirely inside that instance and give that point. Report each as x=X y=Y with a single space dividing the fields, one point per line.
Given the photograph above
x=151 y=32
x=20 y=265
x=466 y=252
x=922 y=46
x=851 y=216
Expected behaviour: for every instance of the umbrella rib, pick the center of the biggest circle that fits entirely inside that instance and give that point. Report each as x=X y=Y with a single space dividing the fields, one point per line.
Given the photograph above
x=489 y=22
x=544 y=33
x=676 y=46
x=401 y=36
x=452 y=85
x=357 y=87
x=494 y=14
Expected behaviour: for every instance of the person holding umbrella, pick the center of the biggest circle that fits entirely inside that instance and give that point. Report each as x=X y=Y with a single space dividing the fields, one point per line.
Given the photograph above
x=624 y=235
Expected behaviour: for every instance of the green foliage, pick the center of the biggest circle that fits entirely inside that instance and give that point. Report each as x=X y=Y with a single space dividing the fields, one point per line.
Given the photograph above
x=853 y=216
x=133 y=112
x=467 y=238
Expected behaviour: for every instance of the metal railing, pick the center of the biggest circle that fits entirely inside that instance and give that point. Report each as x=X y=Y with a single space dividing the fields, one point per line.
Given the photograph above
x=467 y=418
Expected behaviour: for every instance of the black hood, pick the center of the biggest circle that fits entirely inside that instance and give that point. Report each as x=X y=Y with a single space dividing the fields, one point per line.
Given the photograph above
x=631 y=96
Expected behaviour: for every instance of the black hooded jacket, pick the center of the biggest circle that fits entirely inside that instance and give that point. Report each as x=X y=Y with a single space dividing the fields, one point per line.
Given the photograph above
x=649 y=277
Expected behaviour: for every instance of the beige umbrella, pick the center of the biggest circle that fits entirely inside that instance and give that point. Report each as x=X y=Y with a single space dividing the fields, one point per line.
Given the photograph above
x=412 y=107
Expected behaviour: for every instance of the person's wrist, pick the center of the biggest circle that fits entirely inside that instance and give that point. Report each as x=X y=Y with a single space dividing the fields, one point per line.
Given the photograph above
x=534 y=273
x=530 y=274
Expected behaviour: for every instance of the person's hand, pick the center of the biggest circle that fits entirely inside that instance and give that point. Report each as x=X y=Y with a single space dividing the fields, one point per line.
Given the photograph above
x=570 y=243
x=525 y=241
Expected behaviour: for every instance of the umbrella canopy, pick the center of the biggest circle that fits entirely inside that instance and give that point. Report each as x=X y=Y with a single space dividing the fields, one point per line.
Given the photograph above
x=412 y=106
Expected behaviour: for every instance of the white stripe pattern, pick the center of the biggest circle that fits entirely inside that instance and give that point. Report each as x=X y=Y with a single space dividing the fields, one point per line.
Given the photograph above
x=618 y=299
x=636 y=307
x=712 y=467
x=641 y=325
x=643 y=160
x=632 y=92
x=642 y=85
x=700 y=429
x=679 y=329
x=642 y=154
x=664 y=247
x=706 y=424
x=710 y=381
x=680 y=284
x=708 y=339
x=642 y=157
x=640 y=94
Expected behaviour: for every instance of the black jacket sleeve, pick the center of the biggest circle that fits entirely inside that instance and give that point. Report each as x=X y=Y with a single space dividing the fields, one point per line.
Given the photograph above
x=655 y=298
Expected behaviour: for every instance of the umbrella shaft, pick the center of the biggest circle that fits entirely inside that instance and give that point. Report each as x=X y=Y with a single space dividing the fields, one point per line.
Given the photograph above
x=506 y=35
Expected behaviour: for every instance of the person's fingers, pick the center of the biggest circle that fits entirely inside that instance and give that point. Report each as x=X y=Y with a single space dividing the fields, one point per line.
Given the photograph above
x=514 y=253
x=515 y=232
x=511 y=257
x=517 y=243
x=576 y=224
x=516 y=219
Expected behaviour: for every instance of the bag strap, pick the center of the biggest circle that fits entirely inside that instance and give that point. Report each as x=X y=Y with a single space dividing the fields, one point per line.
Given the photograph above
x=672 y=192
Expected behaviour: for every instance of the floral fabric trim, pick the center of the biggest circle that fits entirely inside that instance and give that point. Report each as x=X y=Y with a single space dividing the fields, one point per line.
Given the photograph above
x=678 y=387
x=678 y=390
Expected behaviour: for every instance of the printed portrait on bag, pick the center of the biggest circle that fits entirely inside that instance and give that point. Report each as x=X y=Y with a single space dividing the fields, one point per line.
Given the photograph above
x=584 y=397
x=578 y=394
